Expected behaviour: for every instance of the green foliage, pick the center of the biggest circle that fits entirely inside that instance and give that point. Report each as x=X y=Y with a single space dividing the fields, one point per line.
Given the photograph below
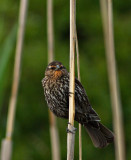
x=6 y=51
x=31 y=137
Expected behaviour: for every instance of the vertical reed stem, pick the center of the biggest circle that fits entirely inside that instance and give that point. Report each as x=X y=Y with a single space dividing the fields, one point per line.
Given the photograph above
x=71 y=134
x=50 y=33
x=53 y=127
x=79 y=78
x=7 y=143
x=106 y=8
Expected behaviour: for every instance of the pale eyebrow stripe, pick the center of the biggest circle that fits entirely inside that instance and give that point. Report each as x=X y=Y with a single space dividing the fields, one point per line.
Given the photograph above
x=51 y=66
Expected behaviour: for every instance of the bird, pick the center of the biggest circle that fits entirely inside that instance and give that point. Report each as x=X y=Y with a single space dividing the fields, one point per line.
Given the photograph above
x=56 y=91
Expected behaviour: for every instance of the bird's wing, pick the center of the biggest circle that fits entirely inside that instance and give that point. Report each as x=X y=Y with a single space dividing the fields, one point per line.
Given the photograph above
x=83 y=105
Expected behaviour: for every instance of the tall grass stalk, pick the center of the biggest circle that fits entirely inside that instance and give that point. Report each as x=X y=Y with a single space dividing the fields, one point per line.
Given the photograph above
x=53 y=127
x=79 y=78
x=71 y=134
x=7 y=142
x=107 y=14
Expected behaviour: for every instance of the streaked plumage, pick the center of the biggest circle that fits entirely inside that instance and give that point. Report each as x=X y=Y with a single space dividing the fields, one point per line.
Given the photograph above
x=56 y=90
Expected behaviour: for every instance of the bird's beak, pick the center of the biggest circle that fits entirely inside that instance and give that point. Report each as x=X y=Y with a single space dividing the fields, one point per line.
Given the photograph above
x=57 y=67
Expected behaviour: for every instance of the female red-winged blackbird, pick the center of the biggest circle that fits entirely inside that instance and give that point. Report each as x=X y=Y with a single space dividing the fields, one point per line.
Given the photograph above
x=56 y=90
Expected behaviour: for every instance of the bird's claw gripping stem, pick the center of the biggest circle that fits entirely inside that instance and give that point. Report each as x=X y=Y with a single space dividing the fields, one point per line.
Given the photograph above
x=71 y=129
x=70 y=93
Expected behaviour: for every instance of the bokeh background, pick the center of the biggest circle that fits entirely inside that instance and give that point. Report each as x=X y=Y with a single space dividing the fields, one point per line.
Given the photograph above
x=31 y=138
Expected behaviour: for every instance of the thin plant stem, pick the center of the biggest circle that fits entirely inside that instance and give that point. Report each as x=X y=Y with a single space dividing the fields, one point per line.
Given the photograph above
x=50 y=32
x=107 y=14
x=80 y=143
x=16 y=77
x=71 y=135
x=53 y=127
x=79 y=78
x=7 y=143
x=72 y=62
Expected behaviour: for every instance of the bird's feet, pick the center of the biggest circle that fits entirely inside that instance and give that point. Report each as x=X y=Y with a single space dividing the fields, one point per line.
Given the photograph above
x=70 y=93
x=71 y=129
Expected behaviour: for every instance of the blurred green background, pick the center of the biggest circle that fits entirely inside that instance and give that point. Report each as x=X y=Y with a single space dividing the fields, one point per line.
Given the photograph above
x=31 y=138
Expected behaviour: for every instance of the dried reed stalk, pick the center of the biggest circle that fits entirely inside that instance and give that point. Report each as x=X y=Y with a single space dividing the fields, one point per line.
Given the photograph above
x=71 y=133
x=7 y=142
x=53 y=127
x=106 y=8
x=79 y=78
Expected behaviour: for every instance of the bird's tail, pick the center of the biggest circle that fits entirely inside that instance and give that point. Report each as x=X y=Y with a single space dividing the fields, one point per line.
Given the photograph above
x=99 y=134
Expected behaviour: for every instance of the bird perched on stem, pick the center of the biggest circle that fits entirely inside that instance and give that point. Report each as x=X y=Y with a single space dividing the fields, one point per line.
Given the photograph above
x=56 y=90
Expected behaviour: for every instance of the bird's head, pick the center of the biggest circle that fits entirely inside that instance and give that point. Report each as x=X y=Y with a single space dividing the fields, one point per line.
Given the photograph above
x=55 y=70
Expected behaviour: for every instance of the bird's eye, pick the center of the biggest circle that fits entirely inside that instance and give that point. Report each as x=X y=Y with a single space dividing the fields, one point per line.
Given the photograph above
x=53 y=67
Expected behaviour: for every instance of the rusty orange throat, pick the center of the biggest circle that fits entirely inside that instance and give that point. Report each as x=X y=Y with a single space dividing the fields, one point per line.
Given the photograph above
x=58 y=74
